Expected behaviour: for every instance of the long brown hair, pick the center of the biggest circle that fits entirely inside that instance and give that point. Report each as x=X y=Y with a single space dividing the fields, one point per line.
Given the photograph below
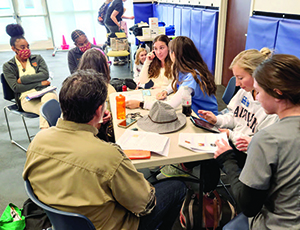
x=96 y=60
x=189 y=60
x=155 y=65
x=281 y=72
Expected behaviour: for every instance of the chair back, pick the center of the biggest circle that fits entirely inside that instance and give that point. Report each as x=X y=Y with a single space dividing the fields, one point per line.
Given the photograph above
x=51 y=111
x=61 y=220
x=230 y=90
x=8 y=93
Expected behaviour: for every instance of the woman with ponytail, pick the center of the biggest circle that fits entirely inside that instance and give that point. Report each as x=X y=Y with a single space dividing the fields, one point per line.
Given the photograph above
x=26 y=73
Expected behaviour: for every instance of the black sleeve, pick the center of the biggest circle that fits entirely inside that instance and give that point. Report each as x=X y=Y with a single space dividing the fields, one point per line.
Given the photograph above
x=72 y=62
x=249 y=200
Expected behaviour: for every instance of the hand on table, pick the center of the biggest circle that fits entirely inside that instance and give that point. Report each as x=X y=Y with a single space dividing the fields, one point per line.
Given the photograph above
x=225 y=131
x=208 y=115
x=223 y=146
x=242 y=143
x=132 y=104
x=161 y=95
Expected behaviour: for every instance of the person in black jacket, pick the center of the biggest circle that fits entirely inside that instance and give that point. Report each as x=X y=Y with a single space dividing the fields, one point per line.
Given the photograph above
x=26 y=73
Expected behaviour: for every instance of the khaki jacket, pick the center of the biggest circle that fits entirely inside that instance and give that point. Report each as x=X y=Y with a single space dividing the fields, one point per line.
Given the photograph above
x=72 y=170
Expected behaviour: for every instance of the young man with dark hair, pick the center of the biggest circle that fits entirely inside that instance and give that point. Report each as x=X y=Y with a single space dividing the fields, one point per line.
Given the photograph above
x=72 y=170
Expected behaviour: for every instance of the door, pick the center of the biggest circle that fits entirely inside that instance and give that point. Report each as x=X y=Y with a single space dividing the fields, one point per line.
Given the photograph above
x=33 y=16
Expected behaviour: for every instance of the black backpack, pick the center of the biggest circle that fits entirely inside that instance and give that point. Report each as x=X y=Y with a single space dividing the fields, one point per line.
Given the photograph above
x=102 y=13
x=35 y=216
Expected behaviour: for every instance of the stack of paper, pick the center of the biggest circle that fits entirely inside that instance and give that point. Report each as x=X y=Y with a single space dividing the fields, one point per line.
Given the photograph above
x=40 y=93
x=201 y=142
x=136 y=140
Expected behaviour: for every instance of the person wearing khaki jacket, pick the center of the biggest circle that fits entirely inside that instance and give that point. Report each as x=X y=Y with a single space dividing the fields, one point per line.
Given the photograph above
x=72 y=170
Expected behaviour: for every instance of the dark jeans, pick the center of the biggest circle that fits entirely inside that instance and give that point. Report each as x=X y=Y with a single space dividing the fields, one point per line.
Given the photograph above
x=240 y=222
x=170 y=195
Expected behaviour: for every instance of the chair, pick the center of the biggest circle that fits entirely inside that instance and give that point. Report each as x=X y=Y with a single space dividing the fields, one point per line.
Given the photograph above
x=9 y=95
x=51 y=111
x=60 y=220
x=230 y=90
x=120 y=53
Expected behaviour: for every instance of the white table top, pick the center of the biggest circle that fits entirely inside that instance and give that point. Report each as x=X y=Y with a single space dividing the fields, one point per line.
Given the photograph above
x=177 y=154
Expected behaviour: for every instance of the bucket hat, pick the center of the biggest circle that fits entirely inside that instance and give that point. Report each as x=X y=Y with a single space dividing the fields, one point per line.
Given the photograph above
x=162 y=118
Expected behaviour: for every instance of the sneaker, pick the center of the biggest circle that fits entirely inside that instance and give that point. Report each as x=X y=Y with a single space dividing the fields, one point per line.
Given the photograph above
x=121 y=63
x=170 y=171
x=116 y=62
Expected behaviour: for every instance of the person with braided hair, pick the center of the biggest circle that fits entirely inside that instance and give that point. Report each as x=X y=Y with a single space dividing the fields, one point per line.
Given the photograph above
x=26 y=73
x=82 y=44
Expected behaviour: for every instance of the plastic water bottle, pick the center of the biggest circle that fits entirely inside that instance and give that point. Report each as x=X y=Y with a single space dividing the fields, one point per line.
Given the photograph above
x=121 y=111
x=186 y=102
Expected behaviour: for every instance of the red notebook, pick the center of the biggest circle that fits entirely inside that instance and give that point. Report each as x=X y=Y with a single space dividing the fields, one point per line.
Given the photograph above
x=137 y=154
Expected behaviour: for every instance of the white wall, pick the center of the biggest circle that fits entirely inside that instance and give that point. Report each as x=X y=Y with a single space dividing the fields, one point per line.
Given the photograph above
x=277 y=6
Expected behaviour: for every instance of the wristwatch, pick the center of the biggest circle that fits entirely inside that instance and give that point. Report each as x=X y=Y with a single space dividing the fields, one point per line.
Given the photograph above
x=142 y=105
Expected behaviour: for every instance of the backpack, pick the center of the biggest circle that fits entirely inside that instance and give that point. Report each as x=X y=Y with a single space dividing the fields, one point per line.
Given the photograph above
x=35 y=216
x=102 y=13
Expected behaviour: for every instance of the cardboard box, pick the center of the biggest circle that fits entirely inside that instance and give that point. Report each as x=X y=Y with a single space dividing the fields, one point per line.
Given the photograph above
x=154 y=33
x=147 y=32
x=153 y=23
x=161 y=30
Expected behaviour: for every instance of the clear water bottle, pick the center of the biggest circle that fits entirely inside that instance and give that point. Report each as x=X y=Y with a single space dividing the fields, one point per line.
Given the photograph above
x=186 y=102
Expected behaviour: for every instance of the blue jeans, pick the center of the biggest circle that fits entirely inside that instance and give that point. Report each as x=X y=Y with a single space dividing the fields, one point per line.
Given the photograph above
x=170 y=195
x=240 y=222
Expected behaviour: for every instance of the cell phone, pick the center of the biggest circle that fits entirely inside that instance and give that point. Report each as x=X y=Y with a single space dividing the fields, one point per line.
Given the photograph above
x=203 y=124
x=146 y=92
x=127 y=122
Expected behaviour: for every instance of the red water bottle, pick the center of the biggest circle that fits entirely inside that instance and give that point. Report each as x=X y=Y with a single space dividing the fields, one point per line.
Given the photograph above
x=124 y=88
x=120 y=102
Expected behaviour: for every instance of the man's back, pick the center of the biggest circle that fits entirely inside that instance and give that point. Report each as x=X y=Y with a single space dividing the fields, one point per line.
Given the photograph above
x=72 y=170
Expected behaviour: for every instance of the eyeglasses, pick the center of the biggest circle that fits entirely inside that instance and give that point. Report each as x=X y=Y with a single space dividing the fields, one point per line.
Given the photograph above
x=134 y=115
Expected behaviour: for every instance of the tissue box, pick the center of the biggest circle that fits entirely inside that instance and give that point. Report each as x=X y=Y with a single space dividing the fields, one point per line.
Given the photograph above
x=153 y=23
x=147 y=32
x=161 y=30
x=154 y=33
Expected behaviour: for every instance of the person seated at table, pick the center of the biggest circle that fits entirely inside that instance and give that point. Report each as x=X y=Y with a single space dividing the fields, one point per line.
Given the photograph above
x=156 y=71
x=82 y=44
x=190 y=70
x=246 y=115
x=140 y=58
x=77 y=172
x=26 y=73
x=268 y=186
x=95 y=59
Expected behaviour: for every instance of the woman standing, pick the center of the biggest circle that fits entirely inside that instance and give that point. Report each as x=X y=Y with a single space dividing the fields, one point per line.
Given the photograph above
x=26 y=73
x=268 y=186
x=113 y=18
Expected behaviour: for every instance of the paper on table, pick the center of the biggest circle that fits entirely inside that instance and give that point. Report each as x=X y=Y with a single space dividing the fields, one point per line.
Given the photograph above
x=136 y=140
x=40 y=93
x=136 y=96
x=201 y=142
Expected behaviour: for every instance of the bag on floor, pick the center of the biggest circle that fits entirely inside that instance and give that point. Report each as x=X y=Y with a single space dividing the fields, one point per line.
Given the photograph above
x=216 y=211
x=35 y=216
x=12 y=218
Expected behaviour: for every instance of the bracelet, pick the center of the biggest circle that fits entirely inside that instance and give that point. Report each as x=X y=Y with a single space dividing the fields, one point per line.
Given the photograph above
x=142 y=105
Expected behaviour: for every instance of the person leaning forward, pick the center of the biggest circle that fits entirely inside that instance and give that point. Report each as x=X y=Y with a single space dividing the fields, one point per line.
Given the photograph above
x=78 y=172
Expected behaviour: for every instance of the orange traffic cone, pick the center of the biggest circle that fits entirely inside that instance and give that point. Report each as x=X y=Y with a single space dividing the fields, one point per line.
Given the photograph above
x=64 y=46
x=94 y=41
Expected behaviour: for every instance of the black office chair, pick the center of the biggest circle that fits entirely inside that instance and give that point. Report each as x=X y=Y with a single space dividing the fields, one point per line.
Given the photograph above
x=9 y=95
x=51 y=111
x=60 y=220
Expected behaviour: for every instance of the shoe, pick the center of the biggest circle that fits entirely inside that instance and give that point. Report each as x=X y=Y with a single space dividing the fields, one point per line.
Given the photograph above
x=121 y=63
x=116 y=62
x=170 y=171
